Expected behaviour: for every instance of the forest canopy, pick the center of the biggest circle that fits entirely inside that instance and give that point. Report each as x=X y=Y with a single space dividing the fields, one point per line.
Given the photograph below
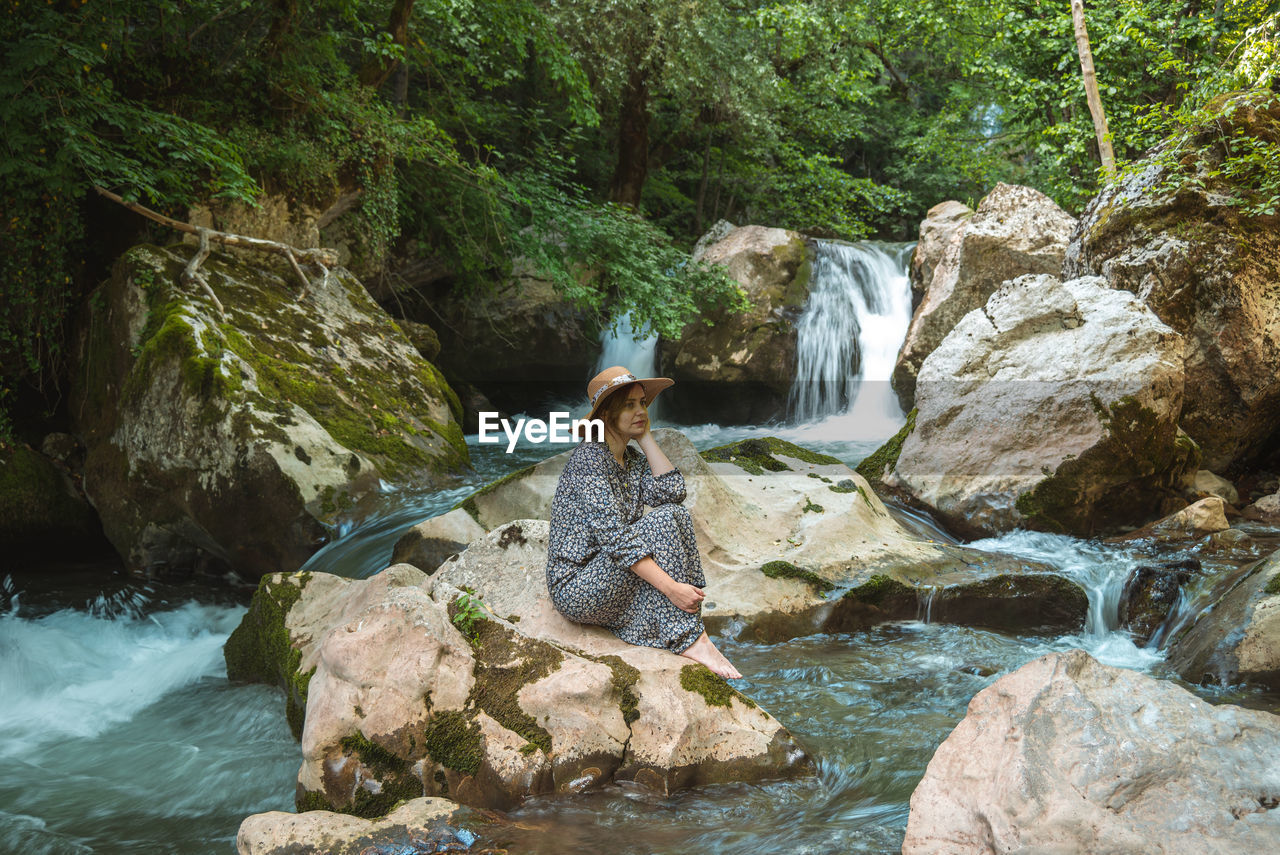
x=600 y=135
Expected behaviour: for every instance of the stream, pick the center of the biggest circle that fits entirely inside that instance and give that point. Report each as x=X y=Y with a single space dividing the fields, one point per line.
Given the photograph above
x=121 y=734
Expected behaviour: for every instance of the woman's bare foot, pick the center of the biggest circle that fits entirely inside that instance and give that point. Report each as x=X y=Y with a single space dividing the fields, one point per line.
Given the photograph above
x=705 y=652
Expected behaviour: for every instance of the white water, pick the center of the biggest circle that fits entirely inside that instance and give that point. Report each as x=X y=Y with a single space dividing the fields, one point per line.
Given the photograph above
x=847 y=340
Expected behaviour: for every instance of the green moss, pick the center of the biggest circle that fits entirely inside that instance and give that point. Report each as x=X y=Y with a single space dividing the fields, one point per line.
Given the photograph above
x=877 y=590
x=505 y=663
x=469 y=503
x=624 y=680
x=885 y=458
x=787 y=570
x=261 y=651
x=1273 y=587
x=824 y=479
x=757 y=455
x=717 y=693
x=311 y=801
x=453 y=741
x=528 y=748
x=812 y=507
x=394 y=775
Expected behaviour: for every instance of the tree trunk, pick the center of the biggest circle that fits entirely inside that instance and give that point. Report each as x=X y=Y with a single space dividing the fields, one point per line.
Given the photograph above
x=281 y=26
x=377 y=70
x=633 y=142
x=1091 y=89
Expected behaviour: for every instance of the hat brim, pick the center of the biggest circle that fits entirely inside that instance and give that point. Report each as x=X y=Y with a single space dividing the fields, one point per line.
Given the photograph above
x=652 y=387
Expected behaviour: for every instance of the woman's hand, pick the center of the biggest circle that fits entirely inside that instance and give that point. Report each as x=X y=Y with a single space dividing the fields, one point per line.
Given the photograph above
x=685 y=597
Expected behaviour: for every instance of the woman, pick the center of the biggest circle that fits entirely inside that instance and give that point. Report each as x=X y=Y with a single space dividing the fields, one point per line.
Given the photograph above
x=640 y=576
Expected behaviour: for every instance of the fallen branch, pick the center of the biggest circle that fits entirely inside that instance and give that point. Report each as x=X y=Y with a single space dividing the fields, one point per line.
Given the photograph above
x=322 y=257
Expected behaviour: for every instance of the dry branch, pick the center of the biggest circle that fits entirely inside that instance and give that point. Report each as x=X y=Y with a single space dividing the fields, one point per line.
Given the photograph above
x=322 y=257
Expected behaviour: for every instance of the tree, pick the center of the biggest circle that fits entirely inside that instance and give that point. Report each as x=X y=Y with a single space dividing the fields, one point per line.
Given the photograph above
x=1091 y=89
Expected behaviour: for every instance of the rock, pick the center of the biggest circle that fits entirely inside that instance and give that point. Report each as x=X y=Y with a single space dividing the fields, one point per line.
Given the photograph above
x=1205 y=483
x=1193 y=522
x=430 y=543
x=1231 y=545
x=740 y=368
x=519 y=343
x=1068 y=755
x=65 y=449
x=793 y=542
x=422 y=337
x=271 y=217
x=1208 y=270
x=1016 y=231
x=418 y=826
x=42 y=514
x=1266 y=510
x=413 y=689
x=226 y=444
x=1054 y=406
x=936 y=231
x=1237 y=639
x=1149 y=595
x=718 y=232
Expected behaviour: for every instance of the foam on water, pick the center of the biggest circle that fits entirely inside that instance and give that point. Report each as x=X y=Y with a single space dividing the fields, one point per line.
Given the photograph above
x=77 y=673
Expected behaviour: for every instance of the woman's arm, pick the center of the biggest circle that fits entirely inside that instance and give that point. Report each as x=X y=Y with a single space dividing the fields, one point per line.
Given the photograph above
x=685 y=597
x=658 y=462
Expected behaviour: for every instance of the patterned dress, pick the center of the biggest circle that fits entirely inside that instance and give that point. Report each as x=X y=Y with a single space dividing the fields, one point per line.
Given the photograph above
x=598 y=532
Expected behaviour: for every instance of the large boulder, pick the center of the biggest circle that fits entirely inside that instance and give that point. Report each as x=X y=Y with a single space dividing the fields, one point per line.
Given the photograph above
x=1237 y=639
x=415 y=687
x=420 y=825
x=227 y=442
x=794 y=542
x=1207 y=267
x=739 y=367
x=1054 y=406
x=1015 y=231
x=1068 y=755
x=518 y=343
x=937 y=230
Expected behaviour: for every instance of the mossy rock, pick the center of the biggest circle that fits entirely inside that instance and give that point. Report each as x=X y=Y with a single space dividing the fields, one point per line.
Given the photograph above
x=757 y=455
x=40 y=509
x=787 y=570
x=884 y=458
x=260 y=650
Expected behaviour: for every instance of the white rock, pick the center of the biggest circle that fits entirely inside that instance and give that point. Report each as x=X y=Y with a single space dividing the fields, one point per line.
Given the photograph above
x=1066 y=755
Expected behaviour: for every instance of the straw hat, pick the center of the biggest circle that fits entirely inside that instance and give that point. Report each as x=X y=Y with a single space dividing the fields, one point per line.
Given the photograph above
x=612 y=379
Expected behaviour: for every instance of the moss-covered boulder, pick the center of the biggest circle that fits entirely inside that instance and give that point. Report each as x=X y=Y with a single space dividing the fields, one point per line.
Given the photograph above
x=41 y=511
x=1236 y=639
x=740 y=368
x=416 y=827
x=1016 y=231
x=1184 y=236
x=784 y=532
x=1054 y=406
x=424 y=688
x=228 y=442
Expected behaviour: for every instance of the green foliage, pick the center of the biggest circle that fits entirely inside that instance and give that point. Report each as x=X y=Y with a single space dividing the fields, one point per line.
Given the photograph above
x=467 y=615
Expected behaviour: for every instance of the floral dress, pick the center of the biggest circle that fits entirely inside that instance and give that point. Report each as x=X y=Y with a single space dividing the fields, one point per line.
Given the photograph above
x=598 y=532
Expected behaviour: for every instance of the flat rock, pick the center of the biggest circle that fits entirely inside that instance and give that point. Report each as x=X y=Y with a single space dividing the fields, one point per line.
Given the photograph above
x=418 y=826
x=793 y=542
x=1068 y=755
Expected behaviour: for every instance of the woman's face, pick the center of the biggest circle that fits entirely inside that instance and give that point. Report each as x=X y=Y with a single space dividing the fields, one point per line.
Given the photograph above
x=633 y=420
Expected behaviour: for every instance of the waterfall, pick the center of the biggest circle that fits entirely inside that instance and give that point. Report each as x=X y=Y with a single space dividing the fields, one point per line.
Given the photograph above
x=620 y=345
x=848 y=337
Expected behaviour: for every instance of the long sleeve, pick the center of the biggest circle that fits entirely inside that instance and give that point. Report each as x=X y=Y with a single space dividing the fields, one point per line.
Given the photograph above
x=664 y=489
x=604 y=516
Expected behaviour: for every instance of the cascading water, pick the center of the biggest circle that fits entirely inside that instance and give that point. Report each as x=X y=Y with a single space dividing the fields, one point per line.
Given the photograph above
x=637 y=352
x=847 y=340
